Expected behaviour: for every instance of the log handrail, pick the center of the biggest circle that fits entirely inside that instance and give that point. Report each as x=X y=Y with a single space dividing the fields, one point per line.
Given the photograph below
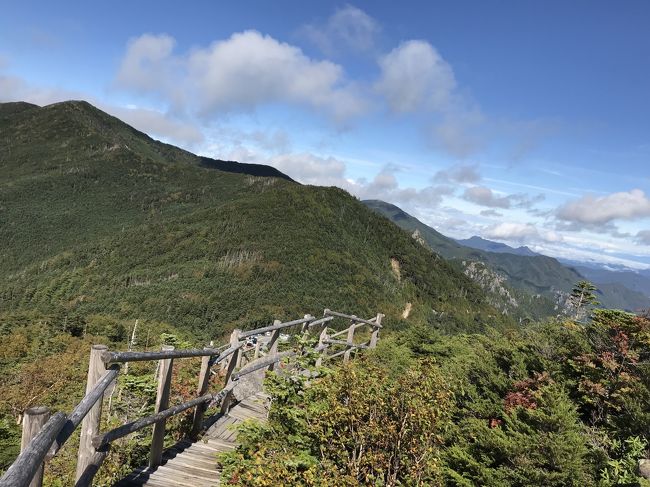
x=120 y=357
x=345 y=343
x=371 y=321
x=279 y=326
x=262 y=363
x=320 y=321
x=104 y=369
x=103 y=439
x=80 y=411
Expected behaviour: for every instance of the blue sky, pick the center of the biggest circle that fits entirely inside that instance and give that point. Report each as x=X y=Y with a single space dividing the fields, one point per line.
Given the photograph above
x=525 y=122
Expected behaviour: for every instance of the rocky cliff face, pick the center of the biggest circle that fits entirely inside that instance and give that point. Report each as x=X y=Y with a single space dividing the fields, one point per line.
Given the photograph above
x=493 y=284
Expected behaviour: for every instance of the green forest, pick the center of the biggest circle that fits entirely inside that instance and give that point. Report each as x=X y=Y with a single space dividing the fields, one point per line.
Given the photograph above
x=107 y=235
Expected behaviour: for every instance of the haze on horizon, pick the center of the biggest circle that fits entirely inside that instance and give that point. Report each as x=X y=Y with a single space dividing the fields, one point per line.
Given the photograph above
x=525 y=123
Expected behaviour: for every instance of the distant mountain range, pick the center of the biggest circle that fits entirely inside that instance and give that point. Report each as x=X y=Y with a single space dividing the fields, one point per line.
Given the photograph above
x=637 y=281
x=523 y=269
x=479 y=243
x=608 y=277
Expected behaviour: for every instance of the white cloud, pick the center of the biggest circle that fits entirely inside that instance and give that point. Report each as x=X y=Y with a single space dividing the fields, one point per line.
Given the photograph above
x=242 y=72
x=490 y=213
x=153 y=122
x=458 y=133
x=385 y=186
x=462 y=173
x=591 y=210
x=274 y=141
x=349 y=28
x=521 y=200
x=484 y=196
x=14 y=88
x=158 y=124
x=309 y=168
x=414 y=76
x=520 y=232
x=643 y=237
x=149 y=66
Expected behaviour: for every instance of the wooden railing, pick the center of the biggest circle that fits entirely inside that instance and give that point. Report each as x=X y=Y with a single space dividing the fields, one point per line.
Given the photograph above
x=44 y=435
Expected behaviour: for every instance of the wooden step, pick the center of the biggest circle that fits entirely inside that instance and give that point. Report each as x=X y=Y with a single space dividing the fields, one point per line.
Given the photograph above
x=189 y=464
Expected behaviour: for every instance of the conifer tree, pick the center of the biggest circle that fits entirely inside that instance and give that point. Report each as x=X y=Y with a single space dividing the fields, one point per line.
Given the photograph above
x=582 y=297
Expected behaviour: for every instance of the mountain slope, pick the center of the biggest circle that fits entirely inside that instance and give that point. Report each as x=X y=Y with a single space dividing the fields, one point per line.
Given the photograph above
x=103 y=220
x=69 y=165
x=535 y=274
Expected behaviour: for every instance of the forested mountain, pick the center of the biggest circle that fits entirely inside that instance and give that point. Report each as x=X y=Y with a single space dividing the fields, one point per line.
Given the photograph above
x=532 y=274
x=100 y=219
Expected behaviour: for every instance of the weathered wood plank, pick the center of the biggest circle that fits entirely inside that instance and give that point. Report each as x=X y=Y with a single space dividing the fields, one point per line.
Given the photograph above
x=262 y=363
x=350 y=343
x=195 y=464
x=232 y=363
x=82 y=409
x=133 y=426
x=374 y=338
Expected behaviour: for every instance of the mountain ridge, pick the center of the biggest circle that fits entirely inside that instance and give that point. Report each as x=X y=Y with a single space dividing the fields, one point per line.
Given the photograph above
x=481 y=243
x=106 y=222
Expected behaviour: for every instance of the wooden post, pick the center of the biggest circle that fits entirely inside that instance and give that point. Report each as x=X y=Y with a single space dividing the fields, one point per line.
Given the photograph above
x=305 y=326
x=321 y=343
x=86 y=458
x=258 y=344
x=232 y=363
x=162 y=402
x=273 y=343
x=204 y=381
x=33 y=420
x=374 y=338
x=350 y=342
x=240 y=357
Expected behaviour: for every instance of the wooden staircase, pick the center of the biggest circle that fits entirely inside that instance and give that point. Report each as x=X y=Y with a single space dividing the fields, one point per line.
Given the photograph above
x=190 y=464
x=248 y=354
